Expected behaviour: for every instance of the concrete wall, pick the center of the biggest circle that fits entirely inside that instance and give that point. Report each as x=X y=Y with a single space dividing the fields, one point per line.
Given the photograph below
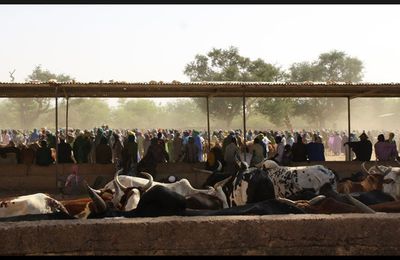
x=341 y=234
x=33 y=178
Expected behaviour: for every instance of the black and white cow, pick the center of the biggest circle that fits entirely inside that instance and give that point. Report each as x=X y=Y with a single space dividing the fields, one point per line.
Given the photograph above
x=289 y=181
x=161 y=201
x=182 y=187
x=247 y=185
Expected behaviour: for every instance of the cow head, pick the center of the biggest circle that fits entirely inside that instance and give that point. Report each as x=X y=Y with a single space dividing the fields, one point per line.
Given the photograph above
x=129 y=199
x=131 y=195
x=374 y=176
x=389 y=178
x=376 y=169
x=391 y=183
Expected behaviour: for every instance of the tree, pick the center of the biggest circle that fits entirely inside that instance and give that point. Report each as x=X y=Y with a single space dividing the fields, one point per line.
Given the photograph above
x=136 y=113
x=28 y=110
x=304 y=71
x=183 y=113
x=228 y=65
x=278 y=110
x=332 y=66
x=337 y=66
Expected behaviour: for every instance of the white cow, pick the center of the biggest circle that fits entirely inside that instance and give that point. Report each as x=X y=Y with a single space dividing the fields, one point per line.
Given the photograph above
x=38 y=203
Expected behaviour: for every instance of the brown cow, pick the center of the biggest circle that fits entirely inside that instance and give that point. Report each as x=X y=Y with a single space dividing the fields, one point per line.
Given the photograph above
x=373 y=181
x=389 y=207
x=328 y=205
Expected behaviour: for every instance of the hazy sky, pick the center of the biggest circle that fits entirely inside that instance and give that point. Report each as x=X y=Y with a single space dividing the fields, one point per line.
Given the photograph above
x=139 y=43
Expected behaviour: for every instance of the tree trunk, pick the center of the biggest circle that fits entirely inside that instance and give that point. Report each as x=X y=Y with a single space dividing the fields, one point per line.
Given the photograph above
x=287 y=122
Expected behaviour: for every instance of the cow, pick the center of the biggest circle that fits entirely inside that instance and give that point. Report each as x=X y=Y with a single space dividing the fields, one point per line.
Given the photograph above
x=43 y=204
x=388 y=207
x=289 y=181
x=247 y=185
x=182 y=187
x=335 y=202
x=372 y=181
x=116 y=196
x=162 y=201
x=391 y=182
x=329 y=205
x=372 y=197
x=391 y=179
x=57 y=215
x=38 y=203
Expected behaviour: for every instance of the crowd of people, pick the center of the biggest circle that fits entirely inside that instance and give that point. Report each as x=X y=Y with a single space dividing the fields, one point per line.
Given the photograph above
x=136 y=150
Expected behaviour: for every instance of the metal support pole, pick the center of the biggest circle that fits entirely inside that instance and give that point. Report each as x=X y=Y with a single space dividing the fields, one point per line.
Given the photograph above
x=208 y=124
x=244 y=125
x=56 y=158
x=66 y=119
x=349 y=127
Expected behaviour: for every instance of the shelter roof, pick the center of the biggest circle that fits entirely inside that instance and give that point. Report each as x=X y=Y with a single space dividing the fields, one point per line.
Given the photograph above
x=199 y=89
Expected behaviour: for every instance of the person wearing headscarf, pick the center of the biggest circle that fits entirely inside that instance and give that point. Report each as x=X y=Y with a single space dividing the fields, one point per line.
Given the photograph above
x=43 y=154
x=177 y=147
x=299 y=150
x=117 y=149
x=34 y=137
x=231 y=155
x=191 y=151
x=103 y=152
x=199 y=144
x=130 y=155
x=64 y=152
x=82 y=148
x=155 y=154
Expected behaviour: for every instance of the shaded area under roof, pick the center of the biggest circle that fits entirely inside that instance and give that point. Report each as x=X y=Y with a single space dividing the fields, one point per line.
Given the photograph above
x=200 y=89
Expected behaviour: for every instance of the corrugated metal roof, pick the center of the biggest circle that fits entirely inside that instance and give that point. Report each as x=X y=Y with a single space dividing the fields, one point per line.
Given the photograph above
x=199 y=89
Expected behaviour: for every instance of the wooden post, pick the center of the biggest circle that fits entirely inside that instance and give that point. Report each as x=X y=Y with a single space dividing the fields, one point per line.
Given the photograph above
x=208 y=124
x=66 y=119
x=56 y=134
x=244 y=125
x=349 y=128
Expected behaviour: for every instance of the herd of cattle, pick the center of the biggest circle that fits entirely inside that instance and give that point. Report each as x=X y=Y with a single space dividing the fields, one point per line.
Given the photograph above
x=263 y=190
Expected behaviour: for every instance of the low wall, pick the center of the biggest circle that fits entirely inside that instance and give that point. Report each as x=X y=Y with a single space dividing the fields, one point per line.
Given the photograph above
x=34 y=178
x=341 y=234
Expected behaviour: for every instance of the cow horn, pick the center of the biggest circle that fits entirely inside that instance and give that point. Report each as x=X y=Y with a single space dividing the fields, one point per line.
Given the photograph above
x=99 y=204
x=150 y=183
x=316 y=199
x=287 y=201
x=222 y=183
x=364 y=208
x=219 y=166
x=116 y=196
x=201 y=170
x=120 y=185
x=363 y=168
x=389 y=169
